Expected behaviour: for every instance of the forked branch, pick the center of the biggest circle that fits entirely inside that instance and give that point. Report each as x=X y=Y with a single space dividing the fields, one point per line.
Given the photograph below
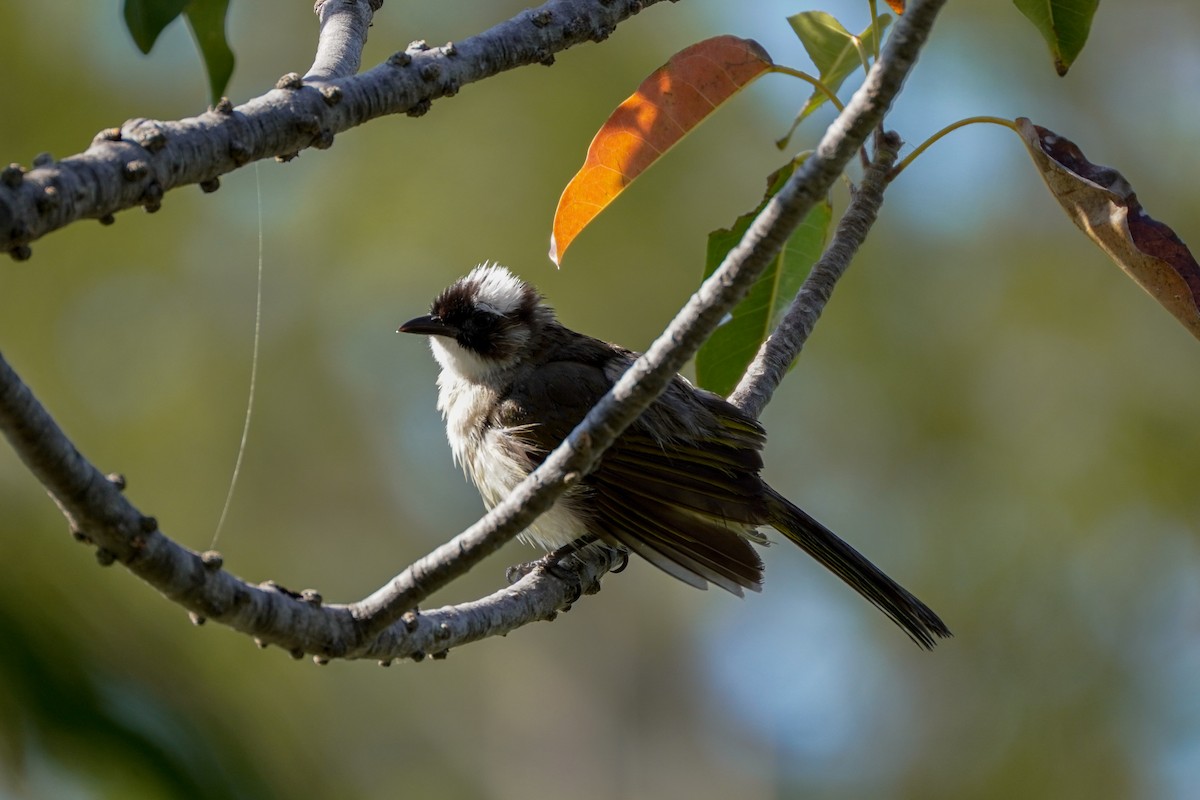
x=383 y=626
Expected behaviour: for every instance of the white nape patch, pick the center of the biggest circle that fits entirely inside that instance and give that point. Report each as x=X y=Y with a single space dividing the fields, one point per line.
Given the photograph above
x=499 y=290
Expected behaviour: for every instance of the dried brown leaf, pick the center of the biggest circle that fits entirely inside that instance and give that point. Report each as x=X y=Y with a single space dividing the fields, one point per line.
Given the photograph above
x=1102 y=203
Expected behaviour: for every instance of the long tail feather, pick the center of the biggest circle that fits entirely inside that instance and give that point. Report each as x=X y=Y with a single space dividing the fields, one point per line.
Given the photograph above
x=916 y=618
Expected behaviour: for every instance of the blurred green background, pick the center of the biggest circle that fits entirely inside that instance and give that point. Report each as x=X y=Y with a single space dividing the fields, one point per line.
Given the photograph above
x=989 y=409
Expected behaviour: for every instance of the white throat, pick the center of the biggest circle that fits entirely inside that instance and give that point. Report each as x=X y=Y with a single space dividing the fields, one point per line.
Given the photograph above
x=459 y=361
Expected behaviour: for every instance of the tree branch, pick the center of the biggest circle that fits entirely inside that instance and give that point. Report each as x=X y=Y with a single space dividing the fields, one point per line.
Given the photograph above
x=139 y=162
x=782 y=347
x=99 y=514
x=383 y=625
x=344 y=25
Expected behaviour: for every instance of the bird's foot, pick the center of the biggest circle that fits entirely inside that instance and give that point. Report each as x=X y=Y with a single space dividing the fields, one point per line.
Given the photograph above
x=555 y=564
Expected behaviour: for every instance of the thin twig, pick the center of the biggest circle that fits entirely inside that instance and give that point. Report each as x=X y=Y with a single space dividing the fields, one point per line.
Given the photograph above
x=782 y=347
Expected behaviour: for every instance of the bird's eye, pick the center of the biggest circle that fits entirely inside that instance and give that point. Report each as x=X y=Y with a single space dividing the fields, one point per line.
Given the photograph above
x=481 y=331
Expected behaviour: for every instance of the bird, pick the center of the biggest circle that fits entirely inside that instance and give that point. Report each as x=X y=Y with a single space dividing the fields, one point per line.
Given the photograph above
x=680 y=487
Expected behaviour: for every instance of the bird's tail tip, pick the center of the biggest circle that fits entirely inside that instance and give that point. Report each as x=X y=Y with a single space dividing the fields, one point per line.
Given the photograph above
x=918 y=620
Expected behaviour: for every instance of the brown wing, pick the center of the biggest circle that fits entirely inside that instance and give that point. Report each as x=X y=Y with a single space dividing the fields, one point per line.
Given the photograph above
x=684 y=497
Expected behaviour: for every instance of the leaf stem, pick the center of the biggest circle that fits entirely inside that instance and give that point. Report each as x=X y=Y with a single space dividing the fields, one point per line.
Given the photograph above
x=875 y=27
x=1008 y=123
x=804 y=76
x=864 y=57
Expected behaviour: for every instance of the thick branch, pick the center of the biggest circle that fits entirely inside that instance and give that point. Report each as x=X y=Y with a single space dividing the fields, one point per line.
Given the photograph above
x=782 y=347
x=100 y=514
x=379 y=627
x=344 y=25
x=136 y=164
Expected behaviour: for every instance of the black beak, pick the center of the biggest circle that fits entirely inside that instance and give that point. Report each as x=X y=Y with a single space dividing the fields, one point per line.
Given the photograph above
x=428 y=325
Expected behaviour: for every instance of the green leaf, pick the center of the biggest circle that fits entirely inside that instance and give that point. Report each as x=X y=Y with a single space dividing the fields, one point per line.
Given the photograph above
x=833 y=51
x=724 y=357
x=206 y=18
x=1064 y=24
x=146 y=19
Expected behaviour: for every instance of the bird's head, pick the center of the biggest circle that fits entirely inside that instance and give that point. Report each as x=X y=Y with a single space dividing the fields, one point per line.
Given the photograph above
x=482 y=322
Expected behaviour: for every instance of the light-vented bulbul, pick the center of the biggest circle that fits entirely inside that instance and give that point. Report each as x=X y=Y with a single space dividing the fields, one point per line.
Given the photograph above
x=680 y=487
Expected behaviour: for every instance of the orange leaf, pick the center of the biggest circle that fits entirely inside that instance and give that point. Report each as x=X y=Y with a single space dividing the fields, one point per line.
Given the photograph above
x=1104 y=206
x=896 y=5
x=673 y=100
